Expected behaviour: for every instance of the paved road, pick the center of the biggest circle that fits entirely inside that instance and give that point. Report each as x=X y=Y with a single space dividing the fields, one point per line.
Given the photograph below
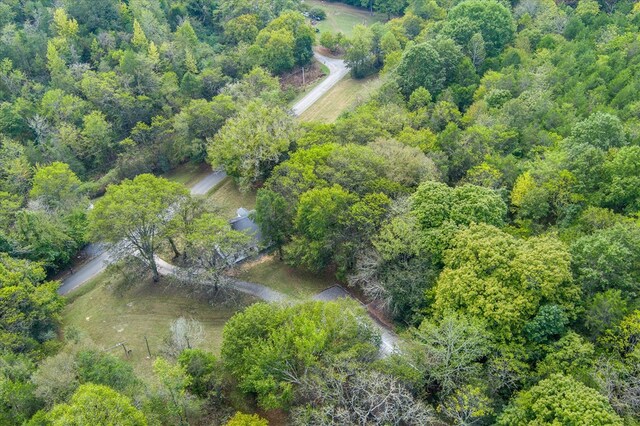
x=99 y=262
x=208 y=182
x=101 y=257
x=337 y=70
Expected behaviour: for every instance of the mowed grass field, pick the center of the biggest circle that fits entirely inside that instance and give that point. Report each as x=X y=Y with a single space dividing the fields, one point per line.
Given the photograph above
x=109 y=311
x=342 y=18
x=344 y=95
x=228 y=198
x=297 y=283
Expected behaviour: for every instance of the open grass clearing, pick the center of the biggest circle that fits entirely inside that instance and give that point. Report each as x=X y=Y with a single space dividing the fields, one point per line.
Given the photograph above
x=342 y=18
x=109 y=311
x=272 y=272
x=228 y=198
x=344 y=95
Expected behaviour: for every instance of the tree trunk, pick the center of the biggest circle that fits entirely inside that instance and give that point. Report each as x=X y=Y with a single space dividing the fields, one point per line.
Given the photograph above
x=176 y=253
x=154 y=270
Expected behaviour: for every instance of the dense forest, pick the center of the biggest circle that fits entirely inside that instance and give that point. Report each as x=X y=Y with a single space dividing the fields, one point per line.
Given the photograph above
x=484 y=201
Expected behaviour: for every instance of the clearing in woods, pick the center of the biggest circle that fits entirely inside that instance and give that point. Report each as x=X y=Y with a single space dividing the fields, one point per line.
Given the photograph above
x=107 y=311
x=344 y=95
x=342 y=18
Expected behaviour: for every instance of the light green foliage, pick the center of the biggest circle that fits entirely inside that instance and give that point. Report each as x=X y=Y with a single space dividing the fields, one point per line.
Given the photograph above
x=320 y=217
x=571 y=356
x=30 y=307
x=330 y=223
x=270 y=348
x=466 y=405
x=491 y=275
x=250 y=144
x=264 y=9
x=57 y=186
x=559 y=400
x=241 y=419
x=625 y=337
x=137 y=211
x=97 y=405
x=243 y=28
x=358 y=54
x=276 y=50
x=285 y=42
x=441 y=211
x=174 y=381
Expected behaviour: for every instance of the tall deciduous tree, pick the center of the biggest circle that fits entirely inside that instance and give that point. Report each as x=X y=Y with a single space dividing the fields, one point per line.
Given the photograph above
x=136 y=212
x=273 y=216
x=249 y=145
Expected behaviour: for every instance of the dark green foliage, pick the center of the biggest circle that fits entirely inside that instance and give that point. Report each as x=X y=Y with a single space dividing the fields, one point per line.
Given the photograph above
x=105 y=369
x=490 y=18
x=203 y=369
x=550 y=321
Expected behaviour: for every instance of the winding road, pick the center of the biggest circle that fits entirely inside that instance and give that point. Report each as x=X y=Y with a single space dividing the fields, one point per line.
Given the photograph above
x=98 y=253
x=101 y=257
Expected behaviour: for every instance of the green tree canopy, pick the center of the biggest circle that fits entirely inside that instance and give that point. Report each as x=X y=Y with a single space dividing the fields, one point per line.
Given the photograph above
x=136 y=212
x=271 y=348
x=441 y=210
x=559 y=400
x=250 y=144
x=491 y=19
x=608 y=259
x=97 y=405
x=56 y=185
x=491 y=275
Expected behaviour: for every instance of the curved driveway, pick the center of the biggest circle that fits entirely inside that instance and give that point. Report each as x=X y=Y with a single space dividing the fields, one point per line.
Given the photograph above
x=100 y=255
x=337 y=70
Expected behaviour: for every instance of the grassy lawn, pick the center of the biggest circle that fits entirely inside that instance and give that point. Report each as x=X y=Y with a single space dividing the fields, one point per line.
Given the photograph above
x=270 y=271
x=108 y=316
x=341 y=97
x=228 y=198
x=188 y=174
x=342 y=18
